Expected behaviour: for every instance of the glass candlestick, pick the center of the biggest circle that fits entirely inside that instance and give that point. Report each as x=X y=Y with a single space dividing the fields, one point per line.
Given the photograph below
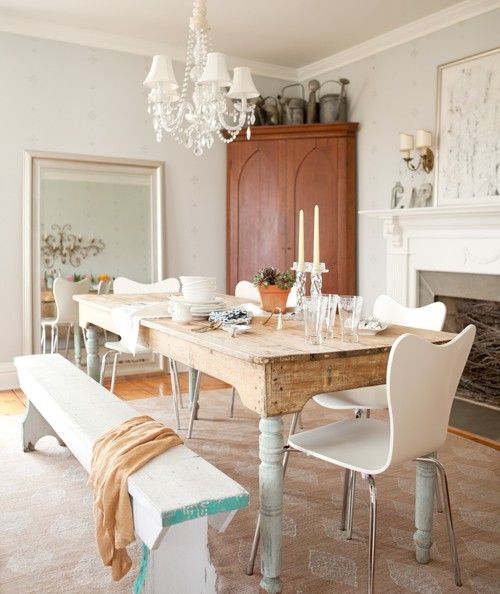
x=300 y=291
x=316 y=277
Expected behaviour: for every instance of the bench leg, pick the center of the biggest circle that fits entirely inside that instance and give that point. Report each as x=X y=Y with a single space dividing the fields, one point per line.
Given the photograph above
x=35 y=427
x=181 y=563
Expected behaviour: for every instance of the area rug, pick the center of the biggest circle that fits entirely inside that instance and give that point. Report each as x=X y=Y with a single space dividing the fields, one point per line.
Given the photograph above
x=47 y=544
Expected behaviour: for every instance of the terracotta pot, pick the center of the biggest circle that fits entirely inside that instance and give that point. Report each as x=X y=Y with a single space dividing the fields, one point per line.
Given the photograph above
x=272 y=297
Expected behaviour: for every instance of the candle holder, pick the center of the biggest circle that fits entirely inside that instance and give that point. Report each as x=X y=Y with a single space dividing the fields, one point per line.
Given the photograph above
x=300 y=291
x=316 y=278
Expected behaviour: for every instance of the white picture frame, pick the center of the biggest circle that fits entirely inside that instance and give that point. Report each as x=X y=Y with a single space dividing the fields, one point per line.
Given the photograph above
x=468 y=131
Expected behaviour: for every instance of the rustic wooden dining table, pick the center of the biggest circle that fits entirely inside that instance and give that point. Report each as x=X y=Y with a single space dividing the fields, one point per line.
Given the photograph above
x=275 y=373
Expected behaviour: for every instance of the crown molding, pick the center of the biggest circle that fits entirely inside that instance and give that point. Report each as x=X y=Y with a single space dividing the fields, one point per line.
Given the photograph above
x=419 y=28
x=130 y=45
x=91 y=38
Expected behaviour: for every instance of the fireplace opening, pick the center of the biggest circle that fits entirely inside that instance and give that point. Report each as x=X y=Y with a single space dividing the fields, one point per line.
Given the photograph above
x=480 y=381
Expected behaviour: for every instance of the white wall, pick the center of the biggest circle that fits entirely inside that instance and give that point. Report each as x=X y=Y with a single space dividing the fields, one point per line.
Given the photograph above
x=67 y=98
x=391 y=92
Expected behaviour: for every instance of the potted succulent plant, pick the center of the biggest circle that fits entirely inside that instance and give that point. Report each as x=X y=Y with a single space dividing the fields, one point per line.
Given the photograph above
x=274 y=287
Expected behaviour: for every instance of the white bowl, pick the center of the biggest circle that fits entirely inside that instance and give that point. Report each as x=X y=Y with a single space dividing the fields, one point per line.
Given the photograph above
x=199 y=296
x=198 y=280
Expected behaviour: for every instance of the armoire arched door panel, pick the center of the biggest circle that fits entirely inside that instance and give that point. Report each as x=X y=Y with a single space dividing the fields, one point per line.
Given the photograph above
x=270 y=178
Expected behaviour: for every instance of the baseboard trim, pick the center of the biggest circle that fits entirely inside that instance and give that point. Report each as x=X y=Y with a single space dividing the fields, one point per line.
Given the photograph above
x=491 y=443
x=8 y=377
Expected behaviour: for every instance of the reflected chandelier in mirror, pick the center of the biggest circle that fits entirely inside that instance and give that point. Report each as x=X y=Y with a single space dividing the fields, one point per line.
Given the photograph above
x=68 y=247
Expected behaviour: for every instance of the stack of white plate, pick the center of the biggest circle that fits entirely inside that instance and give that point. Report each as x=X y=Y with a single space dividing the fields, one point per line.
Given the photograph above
x=199 y=289
x=201 y=309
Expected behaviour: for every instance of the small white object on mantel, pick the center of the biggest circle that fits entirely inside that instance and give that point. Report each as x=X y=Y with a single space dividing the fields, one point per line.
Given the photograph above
x=462 y=239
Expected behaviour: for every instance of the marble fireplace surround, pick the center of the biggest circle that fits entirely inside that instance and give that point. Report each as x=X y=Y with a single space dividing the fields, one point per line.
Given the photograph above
x=454 y=239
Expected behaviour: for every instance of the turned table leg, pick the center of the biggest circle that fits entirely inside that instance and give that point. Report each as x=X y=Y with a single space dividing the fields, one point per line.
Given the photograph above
x=271 y=501
x=93 y=363
x=77 y=346
x=424 y=510
x=192 y=377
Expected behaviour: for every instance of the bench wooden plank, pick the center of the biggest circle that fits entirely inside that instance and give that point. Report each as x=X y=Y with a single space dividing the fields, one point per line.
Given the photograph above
x=84 y=410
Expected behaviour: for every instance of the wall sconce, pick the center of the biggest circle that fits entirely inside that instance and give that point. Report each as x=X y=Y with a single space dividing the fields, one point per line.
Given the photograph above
x=423 y=143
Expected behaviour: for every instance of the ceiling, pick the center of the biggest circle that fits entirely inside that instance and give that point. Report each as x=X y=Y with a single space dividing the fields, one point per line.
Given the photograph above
x=287 y=33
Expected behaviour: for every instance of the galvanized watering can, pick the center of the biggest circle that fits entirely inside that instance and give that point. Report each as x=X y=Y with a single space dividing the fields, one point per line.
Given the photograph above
x=333 y=106
x=293 y=108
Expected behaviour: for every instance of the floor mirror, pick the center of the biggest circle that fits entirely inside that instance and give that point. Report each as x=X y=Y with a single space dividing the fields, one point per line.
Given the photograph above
x=87 y=218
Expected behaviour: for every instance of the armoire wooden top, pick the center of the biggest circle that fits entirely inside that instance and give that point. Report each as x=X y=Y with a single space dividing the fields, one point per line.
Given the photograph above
x=299 y=131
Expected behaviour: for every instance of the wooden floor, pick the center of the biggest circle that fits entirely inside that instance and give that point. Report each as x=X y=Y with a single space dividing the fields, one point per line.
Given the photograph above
x=12 y=402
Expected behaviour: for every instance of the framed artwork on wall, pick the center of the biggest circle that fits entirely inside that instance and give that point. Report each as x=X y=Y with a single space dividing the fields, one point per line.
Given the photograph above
x=468 y=130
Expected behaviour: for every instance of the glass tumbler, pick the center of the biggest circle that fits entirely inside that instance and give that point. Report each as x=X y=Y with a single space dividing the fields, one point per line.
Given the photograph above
x=330 y=315
x=314 y=318
x=350 y=307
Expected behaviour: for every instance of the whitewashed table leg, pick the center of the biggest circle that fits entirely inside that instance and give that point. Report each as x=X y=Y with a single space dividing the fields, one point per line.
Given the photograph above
x=192 y=377
x=424 y=510
x=93 y=363
x=77 y=346
x=271 y=501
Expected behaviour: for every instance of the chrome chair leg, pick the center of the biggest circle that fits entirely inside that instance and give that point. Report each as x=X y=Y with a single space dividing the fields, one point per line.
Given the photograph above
x=43 y=338
x=68 y=334
x=194 y=404
x=449 y=520
x=256 y=536
x=301 y=425
x=84 y=335
x=175 y=394
x=438 y=495
x=372 y=535
x=350 y=502
x=103 y=367
x=113 y=373
x=231 y=408
x=345 y=499
x=52 y=344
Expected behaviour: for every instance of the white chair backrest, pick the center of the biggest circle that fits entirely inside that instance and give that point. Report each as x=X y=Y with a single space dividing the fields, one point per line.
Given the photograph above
x=104 y=287
x=66 y=306
x=246 y=290
x=292 y=297
x=422 y=379
x=430 y=317
x=122 y=285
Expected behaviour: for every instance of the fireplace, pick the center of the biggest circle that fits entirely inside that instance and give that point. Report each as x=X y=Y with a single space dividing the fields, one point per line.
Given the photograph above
x=471 y=299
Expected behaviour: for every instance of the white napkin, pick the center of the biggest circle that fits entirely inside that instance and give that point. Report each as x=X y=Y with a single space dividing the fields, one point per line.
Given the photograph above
x=126 y=318
x=254 y=309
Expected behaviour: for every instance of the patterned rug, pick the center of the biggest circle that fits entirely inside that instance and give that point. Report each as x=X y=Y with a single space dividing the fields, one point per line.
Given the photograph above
x=47 y=544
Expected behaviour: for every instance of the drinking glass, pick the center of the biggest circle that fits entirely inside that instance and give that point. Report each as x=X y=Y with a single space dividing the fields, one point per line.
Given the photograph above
x=330 y=315
x=314 y=318
x=350 y=307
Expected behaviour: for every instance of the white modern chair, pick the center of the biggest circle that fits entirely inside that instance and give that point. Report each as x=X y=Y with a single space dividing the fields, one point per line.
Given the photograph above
x=422 y=379
x=66 y=312
x=122 y=285
x=244 y=290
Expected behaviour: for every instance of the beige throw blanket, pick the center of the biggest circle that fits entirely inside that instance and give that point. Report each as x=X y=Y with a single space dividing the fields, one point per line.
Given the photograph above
x=116 y=455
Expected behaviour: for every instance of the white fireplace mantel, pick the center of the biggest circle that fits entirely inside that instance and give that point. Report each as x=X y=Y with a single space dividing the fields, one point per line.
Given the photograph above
x=448 y=239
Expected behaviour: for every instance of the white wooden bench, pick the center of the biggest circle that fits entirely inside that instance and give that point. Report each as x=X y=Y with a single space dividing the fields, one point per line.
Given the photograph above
x=174 y=497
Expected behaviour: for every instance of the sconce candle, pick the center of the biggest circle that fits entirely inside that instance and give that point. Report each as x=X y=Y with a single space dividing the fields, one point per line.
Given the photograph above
x=405 y=142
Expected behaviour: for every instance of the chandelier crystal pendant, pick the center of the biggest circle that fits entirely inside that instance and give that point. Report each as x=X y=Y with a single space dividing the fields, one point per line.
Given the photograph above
x=194 y=123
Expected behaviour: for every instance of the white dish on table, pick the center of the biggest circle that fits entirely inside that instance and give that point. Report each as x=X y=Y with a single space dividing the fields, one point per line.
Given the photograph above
x=371 y=327
x=236 y=329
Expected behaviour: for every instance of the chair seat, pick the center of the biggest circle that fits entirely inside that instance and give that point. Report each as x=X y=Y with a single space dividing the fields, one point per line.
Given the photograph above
x=372 y=397
x=359 y=444
x=117 y=345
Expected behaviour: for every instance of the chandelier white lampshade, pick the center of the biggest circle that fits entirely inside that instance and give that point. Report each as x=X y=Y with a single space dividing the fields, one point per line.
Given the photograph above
x=209 y=112
x=161 y=72
x=216 y=70
x=243 y=86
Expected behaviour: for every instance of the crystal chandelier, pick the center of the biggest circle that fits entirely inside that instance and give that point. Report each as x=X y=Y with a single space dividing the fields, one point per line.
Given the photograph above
x=211 y=112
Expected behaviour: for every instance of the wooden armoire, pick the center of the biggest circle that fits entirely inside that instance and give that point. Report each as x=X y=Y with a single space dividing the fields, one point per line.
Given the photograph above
x=281 y=170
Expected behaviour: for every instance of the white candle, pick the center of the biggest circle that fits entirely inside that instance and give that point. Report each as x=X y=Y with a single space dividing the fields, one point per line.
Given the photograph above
x=316 y=265
x=405 y=142
x=423 y=139
x=300 y=257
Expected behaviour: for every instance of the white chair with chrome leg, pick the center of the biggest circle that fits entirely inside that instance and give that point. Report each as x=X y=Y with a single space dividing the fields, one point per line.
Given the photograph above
x=122 y=285
x=66 y=312
x=422 y=379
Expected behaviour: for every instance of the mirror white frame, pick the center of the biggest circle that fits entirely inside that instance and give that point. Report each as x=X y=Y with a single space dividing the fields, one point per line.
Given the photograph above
x=34 y=163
